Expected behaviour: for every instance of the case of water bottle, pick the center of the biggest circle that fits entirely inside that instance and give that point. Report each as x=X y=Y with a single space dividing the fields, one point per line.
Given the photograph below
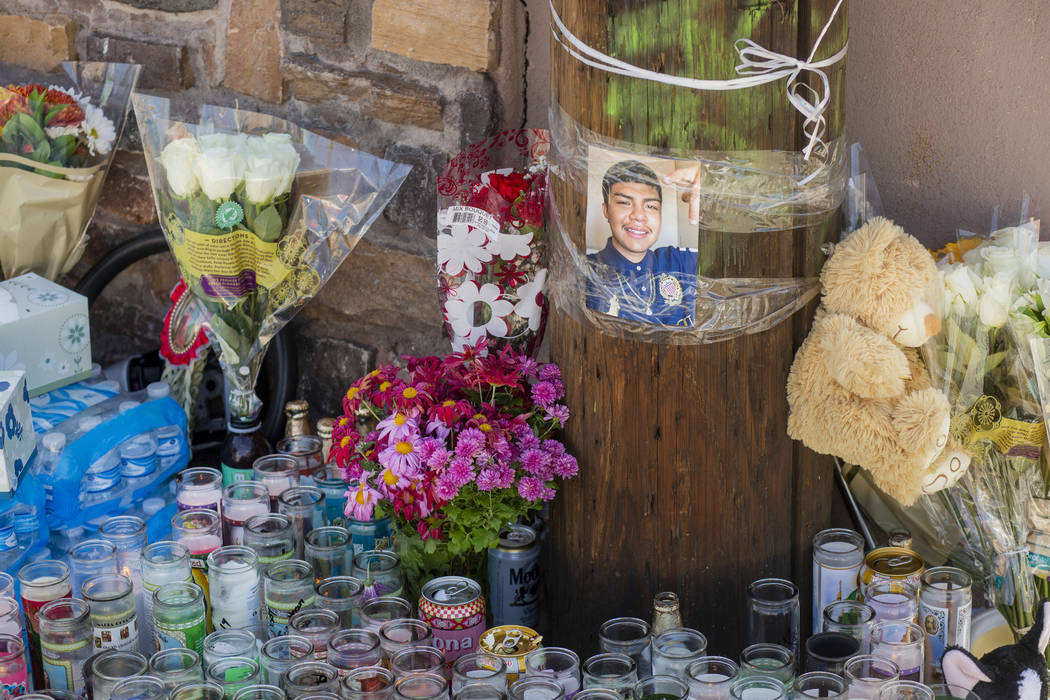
x=111 y=455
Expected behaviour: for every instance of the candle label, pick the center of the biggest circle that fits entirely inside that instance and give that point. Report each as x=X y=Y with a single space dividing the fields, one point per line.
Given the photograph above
x=235 y=603
x=265 y=561
x=944 y=627
x=180 y=506
x=64 y=674
x=175 y=635
x=278 y=612
x=15 y=684
x=830 y=586
x=116 y=631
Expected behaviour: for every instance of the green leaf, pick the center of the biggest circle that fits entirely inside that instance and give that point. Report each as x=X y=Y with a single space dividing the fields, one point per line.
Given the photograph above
x=268 y=225
x=202 y=214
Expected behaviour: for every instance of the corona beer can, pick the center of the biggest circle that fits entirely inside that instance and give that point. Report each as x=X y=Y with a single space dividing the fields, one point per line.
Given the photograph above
x=455 y=610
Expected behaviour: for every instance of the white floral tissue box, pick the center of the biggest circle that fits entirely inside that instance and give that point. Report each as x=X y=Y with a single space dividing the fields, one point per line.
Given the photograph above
x=17 y=439
x=44 y=332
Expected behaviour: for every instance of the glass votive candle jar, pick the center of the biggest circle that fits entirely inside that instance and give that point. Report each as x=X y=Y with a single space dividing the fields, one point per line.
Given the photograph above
x=13 y=673
x=310 y=677
x=41 y=582
x=233 y=673
x=905 y=690
x=305 y=508
x=422 y=686
x=757 y=688
x=179 y=617
x=162 y=563
x=418 y=659
x=330 y=480
x=353 y=648
x=480 y=691
x=828 y=651
x=276 y=472
x=7 y=584
x=222 y=644
x=139 y=688
x=260 y=692
x=233 y=582
x=112 y=666
x=401 y=634
x=770 y=660
x=200 y=532
x=563 y=665
x=270 y=536
x=10 y=616
x=288 y=587
x=630 y=636
x=65 y=643
x=368 y=683
x=318 y=626
x=675 y=649
x=866 y=674
x=341 y=595
x=281 y=653
x=114 y=619
x=661 y=688
x=327 y=550
x=90 y=558
x=952 y=692
x=479 y=667
x=851 y=617
x=176 y=666
x=198 y=488
x=612 y=671
x=709 y=677
x=903 y=643
x=379 y=571
x=892 y=600
x=377 y=611
x=535 y=688
x=240 y=501
x=203 y=690
x=307 y=450
x=773 y=613
x=820 y=684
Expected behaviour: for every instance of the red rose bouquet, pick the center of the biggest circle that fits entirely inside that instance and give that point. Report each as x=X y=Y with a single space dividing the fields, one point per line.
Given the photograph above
x=491 y=241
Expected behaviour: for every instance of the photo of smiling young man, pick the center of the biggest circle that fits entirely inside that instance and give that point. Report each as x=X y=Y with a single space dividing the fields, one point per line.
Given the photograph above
x=631 y=278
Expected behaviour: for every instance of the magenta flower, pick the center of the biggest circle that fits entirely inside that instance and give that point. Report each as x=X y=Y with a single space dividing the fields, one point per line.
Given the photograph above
x=565 y=466
x=534 y=461
x=530 y=488
x=438 y=429
x=438 y=458
x=470 y=442
x=487 y=480
x=361 y=501
x=549 y=372
x=528 y=366
x=397 y=426
x=544 y=394
x=504 y=477
x=401 y=457
x=558 y=412
x=445 y=488
x=554 y=448
x=460 y=471
x=548 y=493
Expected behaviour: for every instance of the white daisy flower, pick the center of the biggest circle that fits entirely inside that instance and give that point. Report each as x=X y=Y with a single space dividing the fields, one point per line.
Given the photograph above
x=98 y=129
x=510 y=245
x=462 y=247
x=530 y=294
x=459 y=310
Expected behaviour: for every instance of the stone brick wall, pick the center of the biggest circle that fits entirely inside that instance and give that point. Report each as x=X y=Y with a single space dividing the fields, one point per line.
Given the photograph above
x=411 y=80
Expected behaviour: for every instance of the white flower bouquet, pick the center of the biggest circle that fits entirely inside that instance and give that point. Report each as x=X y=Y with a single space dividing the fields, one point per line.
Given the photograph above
x=259 y=214
x=56 y=145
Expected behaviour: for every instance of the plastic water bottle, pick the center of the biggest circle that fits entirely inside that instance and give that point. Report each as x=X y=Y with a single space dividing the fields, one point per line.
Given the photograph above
x=167 y=437
x=138 y=455
x=51 y=446
x=27 y=526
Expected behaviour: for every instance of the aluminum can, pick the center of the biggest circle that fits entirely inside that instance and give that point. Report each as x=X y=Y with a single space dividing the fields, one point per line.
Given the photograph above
x=455 y=610
x=512 y=643
x=514 y=577
x=838 y=555
x=892 y=564
x=945 y=607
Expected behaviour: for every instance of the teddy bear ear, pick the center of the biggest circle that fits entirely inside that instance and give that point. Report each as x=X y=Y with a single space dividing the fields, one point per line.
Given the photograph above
x=961 y=668
x=872 y=239
x=861 y=256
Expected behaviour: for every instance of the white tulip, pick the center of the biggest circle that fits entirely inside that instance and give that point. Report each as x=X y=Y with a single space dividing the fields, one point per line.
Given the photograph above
x=220 y=171
x=179 y=160
x=996 y=300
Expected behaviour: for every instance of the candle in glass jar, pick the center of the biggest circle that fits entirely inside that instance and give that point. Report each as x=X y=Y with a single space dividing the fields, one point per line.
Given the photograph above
x=288 y=587
x=277 y=472
x=13 y=677
x=114 y=619
x=41 y=582
x=240 y=501
x=199 y=488
x=10 y=617
x=233 y=578
x=198 y=531
x=902 y=643
x=65 y=644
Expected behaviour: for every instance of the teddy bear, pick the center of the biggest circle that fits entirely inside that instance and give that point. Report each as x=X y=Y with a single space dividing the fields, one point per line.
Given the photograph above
x=858 y=388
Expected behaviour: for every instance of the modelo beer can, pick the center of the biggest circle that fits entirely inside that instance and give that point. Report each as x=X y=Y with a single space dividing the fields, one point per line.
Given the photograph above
x=455 y=610
x=514 y=577
x=945 y=607
x=512 y=643
x=838 y=555
x=891 y=564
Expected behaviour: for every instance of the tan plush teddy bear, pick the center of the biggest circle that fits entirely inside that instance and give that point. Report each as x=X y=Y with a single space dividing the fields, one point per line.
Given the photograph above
x=858 y=388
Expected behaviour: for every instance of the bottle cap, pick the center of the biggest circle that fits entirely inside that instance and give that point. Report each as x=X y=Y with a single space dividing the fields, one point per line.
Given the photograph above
x=54 y=441
x=244 y=425
x=109 y=385
x=324 y=428
x=158 y=390
x=296 y=409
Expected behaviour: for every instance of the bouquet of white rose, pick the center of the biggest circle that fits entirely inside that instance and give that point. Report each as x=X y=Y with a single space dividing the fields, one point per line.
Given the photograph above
x=259 y=214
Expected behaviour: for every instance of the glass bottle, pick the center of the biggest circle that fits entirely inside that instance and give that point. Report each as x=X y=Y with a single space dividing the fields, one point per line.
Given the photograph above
x=595 y=694
x=179 y=617
x=377 y=611
x=198 y=488
x=480 y=667
x=128 y=535
x=661 y=688
x=270 y=535
x=198 y=531
x=297 y=414
x=169 y=437
x=114 y=620
x=773 y=614
x=111 y=667
x=65 y=644
x=277 y=472
x=281 y=653
x=401 y=634
x=631 y=636
x=176 y=666
x=288 y=587
x=306 y=449
x=305 y=507
x=240 y=501
x=91 y=558
x=162 y=562
x=324 y=431
x=419 y=659
x=233 y=673
x=366 y=534
x=612 y=671
x=351 y=648
x=828 y=651
x=327 y=551
x=197 y=690
x=368 y=683
x=139 y=688
x=316 y=625
x=41 y=582
x=341 y=595
x=563 y=665
x=310 y=677
x=379 y=571
x=7 y=584
x=675 y=649
x=945 y=607
x=430 y=686
x=480 y=691
x=14 y=678
x=223 y=643
x=666 y=612
x=709 y=677
x=244 y=444
x=233 y=580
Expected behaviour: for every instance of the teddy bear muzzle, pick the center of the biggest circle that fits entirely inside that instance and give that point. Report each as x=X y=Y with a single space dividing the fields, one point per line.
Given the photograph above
x=932 y=324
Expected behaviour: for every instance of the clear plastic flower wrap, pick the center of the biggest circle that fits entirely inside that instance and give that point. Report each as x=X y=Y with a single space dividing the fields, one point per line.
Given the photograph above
x=56 y=145
x=259 y=214
x=492 y=241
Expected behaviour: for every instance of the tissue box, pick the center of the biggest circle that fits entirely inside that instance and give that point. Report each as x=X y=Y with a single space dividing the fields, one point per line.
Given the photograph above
x=17 y=439
x=44 y=332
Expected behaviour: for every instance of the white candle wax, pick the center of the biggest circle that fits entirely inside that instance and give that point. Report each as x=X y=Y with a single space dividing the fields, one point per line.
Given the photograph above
x=236 y=514
x=200 y=544
x=199 y=498
x=234 y=600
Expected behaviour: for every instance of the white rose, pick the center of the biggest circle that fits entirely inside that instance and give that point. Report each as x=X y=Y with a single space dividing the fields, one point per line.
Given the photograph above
x=996 y=300
x=960 y=284
x=179 y=159
x=263 y=179
x=220 y=171
x=280 y=147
